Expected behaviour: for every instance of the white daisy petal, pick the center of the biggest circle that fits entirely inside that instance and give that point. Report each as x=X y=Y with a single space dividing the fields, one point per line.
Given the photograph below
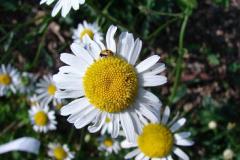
x=126 y=144
x=147 y=63
x=75 y=106
x=184 y=142
x=180 y=154
x=136 y=51
x=111 y=45
x=151 y=81
x=165 y=115
x=182 y=135
x=132 y=154
x=69 y=94
x=86 y=119
x=178 y=125
x=127 y=126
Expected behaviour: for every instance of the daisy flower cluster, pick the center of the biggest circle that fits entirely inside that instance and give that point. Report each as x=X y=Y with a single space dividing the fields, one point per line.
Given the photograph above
x=109 y=91
x=105 y=87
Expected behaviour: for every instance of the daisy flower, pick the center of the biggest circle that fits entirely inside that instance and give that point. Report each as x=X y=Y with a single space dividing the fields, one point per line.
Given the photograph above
x=65 y=5
x=107 y=81
x=9 y=79
x=90 y=29
x=27 y=83
x=109 y=145
x=46 y=89
x=158 y=140
x=60 y=152
x=42 y=119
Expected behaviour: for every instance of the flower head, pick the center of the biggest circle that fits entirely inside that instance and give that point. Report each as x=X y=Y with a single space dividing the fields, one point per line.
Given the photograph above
x=158 y=140
x=108 y=82
x=46 y=89
x=65 y=5
x=9 y=79
x=60 y=152
x=83 y=29
x=42 y=119
x=27 y=83
x=109 y=145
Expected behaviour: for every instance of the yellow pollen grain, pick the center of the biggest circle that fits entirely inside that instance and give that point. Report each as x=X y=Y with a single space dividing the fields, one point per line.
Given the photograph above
x=111 y=84
x=88 y=32
x=59 y=153
x=108 y=142
x=5 y=79
x=156 y=141
x=52 y=89
x=41 y=118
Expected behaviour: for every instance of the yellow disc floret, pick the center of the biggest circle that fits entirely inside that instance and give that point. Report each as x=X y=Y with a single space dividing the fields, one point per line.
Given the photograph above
x=5 y=79
x=107 y=120
x=41 y=118
x=52 y=89
x=59 y=153
x=111 y=84
x=156 y=141
x=108 y=142
x=88 y=32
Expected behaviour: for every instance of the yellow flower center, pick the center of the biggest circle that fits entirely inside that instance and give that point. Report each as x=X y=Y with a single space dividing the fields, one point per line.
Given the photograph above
x=110 y=84
x=88 y=32
x=41 y=118
x=156 y=141
x=59 y=153
x=5 y=79
x=107 y=120
x=52 y=89
x=108 y=142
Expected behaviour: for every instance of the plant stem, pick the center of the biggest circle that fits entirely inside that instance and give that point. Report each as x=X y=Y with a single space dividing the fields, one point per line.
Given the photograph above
x=149 y=11
x=181 y=53
x=160 y=28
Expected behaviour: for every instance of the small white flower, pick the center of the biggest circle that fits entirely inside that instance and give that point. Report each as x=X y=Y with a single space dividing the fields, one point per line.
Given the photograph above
x=9 y=79
x=107 y=80
x=228 y=154
x=109 y=145
x=212 y=125
x=27 y=83
x=107 y=126
x=65 y=5
x=46 y=89
x=60 y=152
x=42 y=119
x=90 y=29
x=158 y=140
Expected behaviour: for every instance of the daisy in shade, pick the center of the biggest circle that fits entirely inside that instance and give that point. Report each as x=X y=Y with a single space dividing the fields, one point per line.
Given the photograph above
x=157 y=141
x=9 y=79
x=46 y=89
x=109 y=145
x=65 y=5
x=60 y=152
x=42 y=118
x=107 y=81
x=90 y=29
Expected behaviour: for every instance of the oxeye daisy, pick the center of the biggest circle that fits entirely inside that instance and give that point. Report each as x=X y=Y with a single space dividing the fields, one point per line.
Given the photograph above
x=157 y=141
x=65 y=5
x=9 y=79
x=42 y=119
x=109 y=145
x=60 y=152
x=107 y=81
x=27 y=83
x=46 y=89
x=90 y=29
